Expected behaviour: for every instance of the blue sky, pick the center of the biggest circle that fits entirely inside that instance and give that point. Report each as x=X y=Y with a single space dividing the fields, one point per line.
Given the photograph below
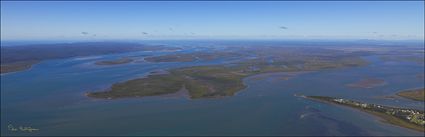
x=202 y=20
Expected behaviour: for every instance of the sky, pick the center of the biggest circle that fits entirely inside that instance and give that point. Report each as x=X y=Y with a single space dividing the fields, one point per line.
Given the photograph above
x=100 y=20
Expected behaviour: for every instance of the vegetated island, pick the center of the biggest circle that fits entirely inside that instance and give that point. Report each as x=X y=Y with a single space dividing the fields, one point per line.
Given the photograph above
x=17 y=66
x=414 y=94
x=367 y=83
x=119 y=61
x=404 y=117
x=18 y=58
x=227 y=79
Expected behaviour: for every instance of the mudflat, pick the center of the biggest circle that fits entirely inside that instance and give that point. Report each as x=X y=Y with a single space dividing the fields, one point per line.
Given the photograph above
x=414 y=94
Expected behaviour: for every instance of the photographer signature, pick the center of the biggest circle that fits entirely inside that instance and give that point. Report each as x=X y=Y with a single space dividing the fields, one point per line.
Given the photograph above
x=12 y=128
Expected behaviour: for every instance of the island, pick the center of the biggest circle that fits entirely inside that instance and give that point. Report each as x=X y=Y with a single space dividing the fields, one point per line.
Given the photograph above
x=403 y=117
x=201 y=82
x=213 y=81
x=123 y=60
x=22 y=57
x=367 y=83
x=414 y=94
x=17 y=66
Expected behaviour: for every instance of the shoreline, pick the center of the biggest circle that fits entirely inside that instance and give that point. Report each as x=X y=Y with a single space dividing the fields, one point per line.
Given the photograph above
x=386 y=118
x=416 y=94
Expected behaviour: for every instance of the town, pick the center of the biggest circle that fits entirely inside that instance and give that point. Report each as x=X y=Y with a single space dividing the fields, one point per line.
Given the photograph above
x=411 y=116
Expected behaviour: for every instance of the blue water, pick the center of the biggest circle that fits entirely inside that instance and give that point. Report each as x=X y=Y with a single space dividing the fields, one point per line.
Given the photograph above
x=50 y=97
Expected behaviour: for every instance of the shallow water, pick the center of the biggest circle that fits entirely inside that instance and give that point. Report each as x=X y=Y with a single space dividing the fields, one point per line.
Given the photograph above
x=50 y=97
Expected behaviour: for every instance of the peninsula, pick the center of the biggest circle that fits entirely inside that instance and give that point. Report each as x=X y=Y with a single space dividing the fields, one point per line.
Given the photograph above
x=404 y=117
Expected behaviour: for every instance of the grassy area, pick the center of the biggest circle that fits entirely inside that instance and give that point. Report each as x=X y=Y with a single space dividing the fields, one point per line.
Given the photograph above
x=414 y=94
x=408 y=118
x=114 y=62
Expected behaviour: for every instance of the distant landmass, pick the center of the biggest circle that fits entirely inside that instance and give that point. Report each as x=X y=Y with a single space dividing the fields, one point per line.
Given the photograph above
x=188 y=57
x=18 y=58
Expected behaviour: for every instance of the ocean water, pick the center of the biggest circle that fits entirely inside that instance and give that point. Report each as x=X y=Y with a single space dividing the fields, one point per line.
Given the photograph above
x=50 y=97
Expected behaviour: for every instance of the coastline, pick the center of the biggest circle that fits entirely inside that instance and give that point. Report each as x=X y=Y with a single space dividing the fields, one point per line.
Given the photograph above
x=386 y=118
x=416 y=94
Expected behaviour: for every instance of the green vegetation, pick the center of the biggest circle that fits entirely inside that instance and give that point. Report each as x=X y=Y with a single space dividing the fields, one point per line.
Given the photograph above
x=114 y=62
x=17 y=58
x=153 y=85
x=201 y=82
x=414 y=94
x=226 y=80
x=408 y=118
x=211 y=81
